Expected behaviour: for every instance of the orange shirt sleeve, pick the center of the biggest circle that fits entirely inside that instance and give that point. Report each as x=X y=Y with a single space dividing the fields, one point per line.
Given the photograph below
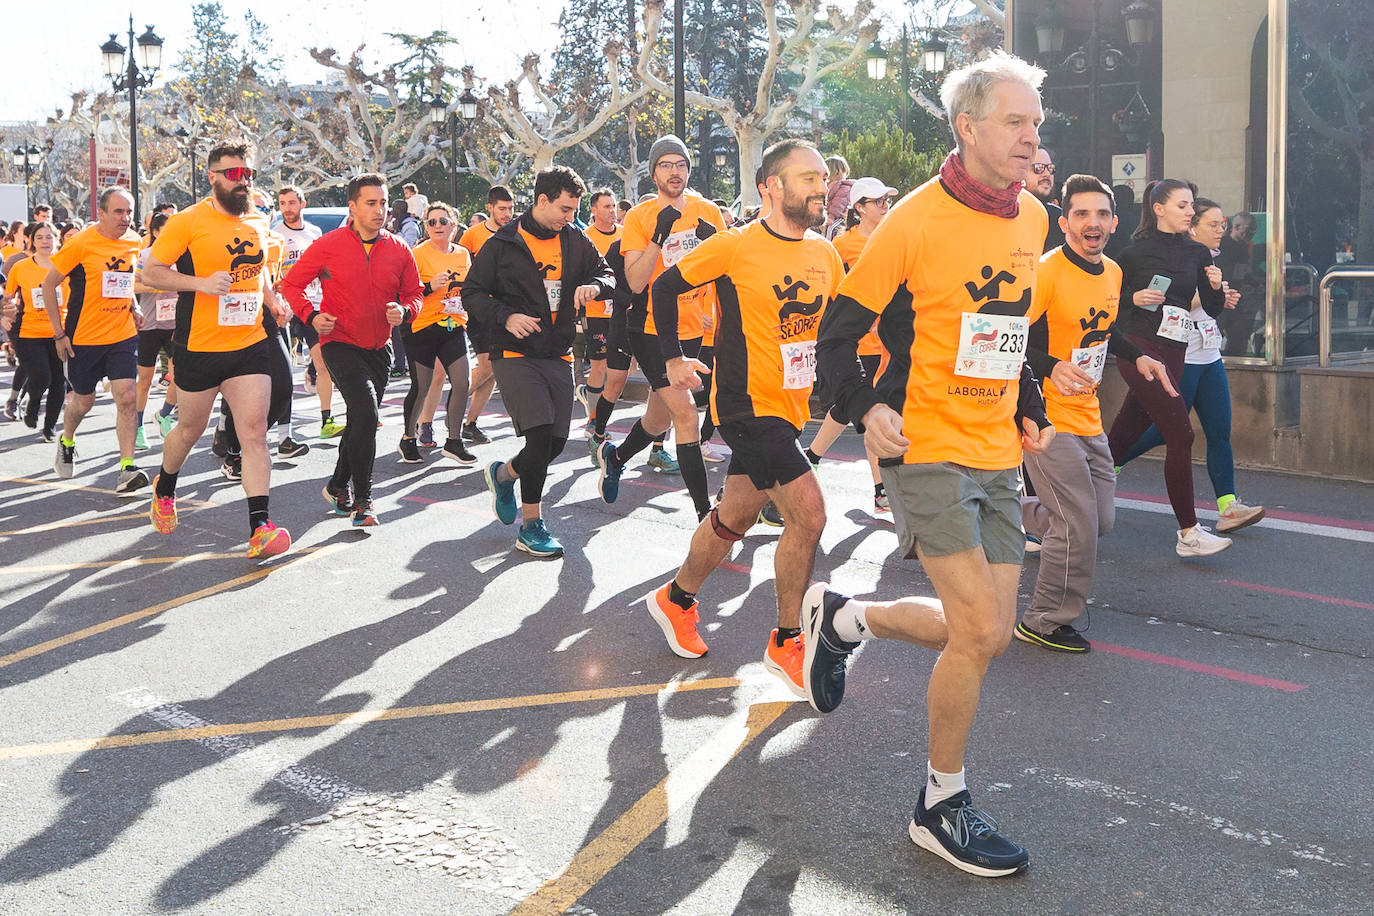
x=635 y=236
x=68 y=256
x=174 y=239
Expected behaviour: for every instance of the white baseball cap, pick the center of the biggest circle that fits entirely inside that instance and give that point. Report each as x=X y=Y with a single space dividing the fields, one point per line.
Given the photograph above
x=869 y=189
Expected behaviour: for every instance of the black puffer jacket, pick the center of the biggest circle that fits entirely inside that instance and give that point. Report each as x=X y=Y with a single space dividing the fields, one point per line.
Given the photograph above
x=505 y=281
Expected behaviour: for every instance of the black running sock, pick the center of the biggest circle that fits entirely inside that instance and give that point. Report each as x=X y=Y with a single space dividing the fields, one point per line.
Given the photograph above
x=325 y=415
x=813 y=457
x=784 y=634
x=603 y=415
x=634 y=444
x=679 y=597
x=257 y=513
x=693 y=468
x=166 y=483
x=879 y=489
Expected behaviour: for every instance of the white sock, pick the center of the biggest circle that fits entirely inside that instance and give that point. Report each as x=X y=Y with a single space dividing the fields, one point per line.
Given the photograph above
x=940 y=786
x=851 y=624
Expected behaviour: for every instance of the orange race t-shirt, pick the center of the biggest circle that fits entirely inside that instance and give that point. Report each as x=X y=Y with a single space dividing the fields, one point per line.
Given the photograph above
x=474 y=237
x=201 y=240
x=1079 y=306
x=548 y=259
x=602 y=308
x=639 y=228
x=850 y=244
x=965 y=281
x=26 y=279
x=100 y=276
x=444 y=304
x=772 y=292
x=276 y=256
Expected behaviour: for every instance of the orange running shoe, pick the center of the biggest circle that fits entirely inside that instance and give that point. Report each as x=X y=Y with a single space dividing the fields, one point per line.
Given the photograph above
x=785 y=661
x=679 y=627
x=163 y=512
x=268 y=541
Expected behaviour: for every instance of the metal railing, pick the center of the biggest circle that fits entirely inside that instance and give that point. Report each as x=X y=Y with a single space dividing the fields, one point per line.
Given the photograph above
x=1324 y=306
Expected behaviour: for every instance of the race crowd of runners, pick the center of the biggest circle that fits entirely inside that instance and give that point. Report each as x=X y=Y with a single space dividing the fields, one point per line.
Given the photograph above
x=962 y=330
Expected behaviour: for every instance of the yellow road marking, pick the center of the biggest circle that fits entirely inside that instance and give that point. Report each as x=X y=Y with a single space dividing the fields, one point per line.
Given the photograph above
x=135 y=616
x=63 y=485
x=685 y=782
x=80 y=745
x=127 y=561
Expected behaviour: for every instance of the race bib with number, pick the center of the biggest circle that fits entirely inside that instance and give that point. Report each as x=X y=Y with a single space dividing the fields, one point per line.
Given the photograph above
x=453 y=305
x=798 y=364
x=554 y=290
x=36 y=297
x=166 y=306
x=239 y=309
x=991 y=346
x=1174 y=324
x=1092 y=360
x=117 y=284
x=678 y=245
x=1209 y=333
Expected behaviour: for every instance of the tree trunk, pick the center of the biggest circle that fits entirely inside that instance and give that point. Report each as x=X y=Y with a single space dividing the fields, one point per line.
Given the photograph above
x=750 y=158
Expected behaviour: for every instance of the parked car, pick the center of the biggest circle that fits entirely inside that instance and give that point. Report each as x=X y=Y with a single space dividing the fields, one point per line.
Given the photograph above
x=327 y=218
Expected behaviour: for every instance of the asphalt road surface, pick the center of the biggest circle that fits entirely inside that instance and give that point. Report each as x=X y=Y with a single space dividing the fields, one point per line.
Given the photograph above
x=419 y=719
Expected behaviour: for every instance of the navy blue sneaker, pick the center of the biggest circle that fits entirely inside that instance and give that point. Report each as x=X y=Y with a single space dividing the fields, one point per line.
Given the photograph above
x=965 y=837
x=609 y=483
x=827 y=655
x=502 y=494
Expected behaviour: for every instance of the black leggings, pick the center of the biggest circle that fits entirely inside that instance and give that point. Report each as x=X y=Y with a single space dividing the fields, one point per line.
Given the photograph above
x=453 y=354
x=360 y=378
x=38 y=361
x=1146 y=403
x=532 y=464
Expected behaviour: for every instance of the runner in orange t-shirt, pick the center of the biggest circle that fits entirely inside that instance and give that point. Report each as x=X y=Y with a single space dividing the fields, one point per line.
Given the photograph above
x=954 y=265
x=224 y=257
x=774 y=278
x=869 y=203
x=99 y=336
x=32 y=332
x=500 y=210
x=604 y=382
x=658 y=233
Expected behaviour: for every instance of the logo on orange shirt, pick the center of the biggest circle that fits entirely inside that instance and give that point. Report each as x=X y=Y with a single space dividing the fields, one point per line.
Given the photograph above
x=992 y=289
x=796 y=316
x=116 y=263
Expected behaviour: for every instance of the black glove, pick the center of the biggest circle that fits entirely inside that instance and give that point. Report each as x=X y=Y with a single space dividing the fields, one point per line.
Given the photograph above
x=705 y=230
x=1030 y=402
x=664 y=227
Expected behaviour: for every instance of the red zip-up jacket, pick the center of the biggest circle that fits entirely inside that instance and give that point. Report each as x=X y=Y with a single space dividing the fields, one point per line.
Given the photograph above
x=356 y=284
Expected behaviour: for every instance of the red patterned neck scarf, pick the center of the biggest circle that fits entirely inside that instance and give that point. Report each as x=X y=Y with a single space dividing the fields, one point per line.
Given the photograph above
x=972 y=193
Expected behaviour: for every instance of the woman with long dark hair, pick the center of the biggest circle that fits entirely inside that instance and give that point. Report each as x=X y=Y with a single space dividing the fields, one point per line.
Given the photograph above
x=1205 y=386
x=32 y=330
x=1162 y=270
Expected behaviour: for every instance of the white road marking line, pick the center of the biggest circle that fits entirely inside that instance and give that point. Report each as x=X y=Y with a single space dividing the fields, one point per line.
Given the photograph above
x=1323 y=531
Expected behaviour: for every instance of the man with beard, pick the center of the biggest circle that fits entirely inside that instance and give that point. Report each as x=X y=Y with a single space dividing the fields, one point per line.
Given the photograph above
x=370 y=284
x=99 y=336
x=1079 y=290
x=659 y=233
x=1040 y=182
x=220 y=249
x=773 y=279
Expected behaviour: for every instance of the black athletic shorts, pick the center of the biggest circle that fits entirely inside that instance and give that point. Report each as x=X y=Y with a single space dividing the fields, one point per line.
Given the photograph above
x=91 y=363
x=304 y=331
x=598 y=338
x=436 y=342
x=150 y=343
x=764 y=449
x=200 y=371
x=651 y=362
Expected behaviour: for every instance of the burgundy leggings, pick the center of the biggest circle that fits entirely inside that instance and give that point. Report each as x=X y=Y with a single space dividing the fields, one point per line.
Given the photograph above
x=1147 y=402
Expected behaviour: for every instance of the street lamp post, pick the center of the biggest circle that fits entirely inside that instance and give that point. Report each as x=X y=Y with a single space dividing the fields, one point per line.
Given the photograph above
x=29 y=157
x=438 y=111
x=132 y=75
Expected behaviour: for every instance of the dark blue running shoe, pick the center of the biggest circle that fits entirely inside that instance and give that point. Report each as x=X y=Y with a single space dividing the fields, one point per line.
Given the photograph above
x=609 y=483
x=965 y=837
x=502 y=494
x=827 y=655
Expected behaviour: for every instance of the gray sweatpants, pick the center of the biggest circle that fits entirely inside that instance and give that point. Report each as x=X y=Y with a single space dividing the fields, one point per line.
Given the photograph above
x=1074 y=505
